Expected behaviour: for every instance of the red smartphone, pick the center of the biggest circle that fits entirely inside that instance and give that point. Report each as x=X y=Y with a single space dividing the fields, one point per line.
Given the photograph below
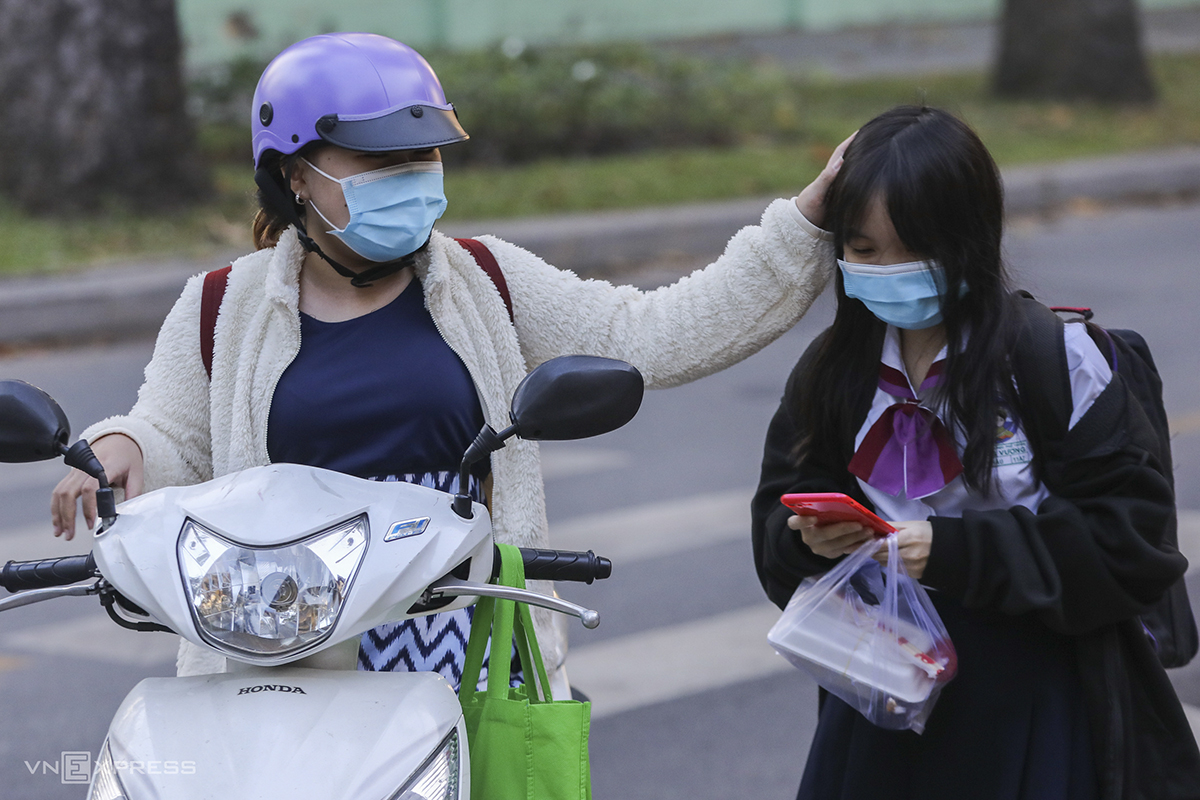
x=830 y=507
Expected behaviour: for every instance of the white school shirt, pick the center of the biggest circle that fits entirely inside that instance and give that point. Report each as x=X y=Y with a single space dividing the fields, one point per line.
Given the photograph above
x=1014 y=483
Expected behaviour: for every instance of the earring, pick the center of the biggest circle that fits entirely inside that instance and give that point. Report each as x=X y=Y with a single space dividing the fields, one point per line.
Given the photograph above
x=299 y=200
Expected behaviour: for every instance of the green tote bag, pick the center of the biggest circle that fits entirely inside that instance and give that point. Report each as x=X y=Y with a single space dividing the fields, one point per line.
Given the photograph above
x=524 y=745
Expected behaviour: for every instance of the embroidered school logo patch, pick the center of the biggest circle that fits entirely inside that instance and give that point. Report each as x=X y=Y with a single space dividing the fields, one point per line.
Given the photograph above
x=1006 y=430
x=1011 y=450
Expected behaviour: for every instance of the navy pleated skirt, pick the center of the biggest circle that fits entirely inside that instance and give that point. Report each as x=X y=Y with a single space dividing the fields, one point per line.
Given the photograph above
x=1010 y=726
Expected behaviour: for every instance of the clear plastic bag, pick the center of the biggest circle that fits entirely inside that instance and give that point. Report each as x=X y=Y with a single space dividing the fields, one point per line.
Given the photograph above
x=869 y=635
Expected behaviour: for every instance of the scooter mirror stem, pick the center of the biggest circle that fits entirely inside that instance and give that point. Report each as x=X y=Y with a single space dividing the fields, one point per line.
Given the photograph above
x=81 y=457
x=487 y=442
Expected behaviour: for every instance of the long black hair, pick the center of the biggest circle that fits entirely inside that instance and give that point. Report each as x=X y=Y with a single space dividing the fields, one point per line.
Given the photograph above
x=942 y=191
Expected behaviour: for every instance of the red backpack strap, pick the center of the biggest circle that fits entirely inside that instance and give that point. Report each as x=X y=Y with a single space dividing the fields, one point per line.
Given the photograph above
x=484 y=258
x=210 y=306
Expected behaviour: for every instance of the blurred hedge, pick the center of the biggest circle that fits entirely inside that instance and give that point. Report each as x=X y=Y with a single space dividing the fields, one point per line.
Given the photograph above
x=521 y=104
x=741 y=130
x=615 y=99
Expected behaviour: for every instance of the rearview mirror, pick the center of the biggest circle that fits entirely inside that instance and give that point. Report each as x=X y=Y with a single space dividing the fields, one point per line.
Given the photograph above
x=574 y=397
x=32 y=426
x=569 y=397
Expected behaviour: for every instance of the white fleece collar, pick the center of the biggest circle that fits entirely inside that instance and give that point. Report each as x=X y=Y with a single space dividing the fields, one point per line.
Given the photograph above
x=282 y=284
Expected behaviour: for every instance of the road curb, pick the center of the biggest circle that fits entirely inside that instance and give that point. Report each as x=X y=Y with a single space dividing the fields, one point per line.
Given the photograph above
x=118 y=302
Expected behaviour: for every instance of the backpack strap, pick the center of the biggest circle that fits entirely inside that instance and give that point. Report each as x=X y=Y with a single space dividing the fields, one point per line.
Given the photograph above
x=1043 y=377
x=210 y=305
x=484 y=258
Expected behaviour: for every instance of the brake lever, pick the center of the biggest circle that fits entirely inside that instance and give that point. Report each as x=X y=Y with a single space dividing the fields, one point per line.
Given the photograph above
x=38 y=595
x=450 y=586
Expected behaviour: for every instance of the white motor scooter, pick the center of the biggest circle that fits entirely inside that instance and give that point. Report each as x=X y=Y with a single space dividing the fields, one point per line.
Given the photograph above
x=281 y=569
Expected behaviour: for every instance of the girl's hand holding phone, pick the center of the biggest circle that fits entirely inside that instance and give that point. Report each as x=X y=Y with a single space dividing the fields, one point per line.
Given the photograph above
x=832 y=524
x=913 y=539
x=832 y=540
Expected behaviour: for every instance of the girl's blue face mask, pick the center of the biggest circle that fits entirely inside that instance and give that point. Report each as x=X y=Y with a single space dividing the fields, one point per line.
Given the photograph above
x=392 y=210
x=905 y=295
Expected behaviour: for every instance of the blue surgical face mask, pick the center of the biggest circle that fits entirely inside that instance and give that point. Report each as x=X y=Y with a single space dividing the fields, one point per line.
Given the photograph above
x=905 y=295
x=392 y=210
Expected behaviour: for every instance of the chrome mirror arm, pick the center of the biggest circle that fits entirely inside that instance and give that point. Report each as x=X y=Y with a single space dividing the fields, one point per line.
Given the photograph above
x=453 y=587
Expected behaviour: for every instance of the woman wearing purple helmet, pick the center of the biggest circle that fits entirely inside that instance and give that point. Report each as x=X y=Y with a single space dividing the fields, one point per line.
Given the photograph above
x=358 y=338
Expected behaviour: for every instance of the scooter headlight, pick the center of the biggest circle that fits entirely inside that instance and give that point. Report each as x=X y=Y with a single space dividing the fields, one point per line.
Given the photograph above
x=269 y=600
x=437 y=779
x=106 y=784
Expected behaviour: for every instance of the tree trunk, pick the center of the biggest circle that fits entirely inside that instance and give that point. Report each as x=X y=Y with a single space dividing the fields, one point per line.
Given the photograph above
x=1072 y=50
x=92 y=101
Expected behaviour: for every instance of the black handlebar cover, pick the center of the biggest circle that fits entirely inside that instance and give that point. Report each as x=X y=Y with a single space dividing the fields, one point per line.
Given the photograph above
x=562 y=565
x=17 y=576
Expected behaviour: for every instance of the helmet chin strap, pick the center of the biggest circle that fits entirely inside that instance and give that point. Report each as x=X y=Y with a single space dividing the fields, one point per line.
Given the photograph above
x=365 y=278
x=281 y=203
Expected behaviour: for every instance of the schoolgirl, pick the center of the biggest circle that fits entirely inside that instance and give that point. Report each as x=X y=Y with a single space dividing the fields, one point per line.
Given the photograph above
x=1038 y=559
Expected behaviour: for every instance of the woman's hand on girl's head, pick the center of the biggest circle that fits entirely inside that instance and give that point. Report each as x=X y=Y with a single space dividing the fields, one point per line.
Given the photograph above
x=811 y=201
x=913 y=540
x=122 y=461
x=830 y=541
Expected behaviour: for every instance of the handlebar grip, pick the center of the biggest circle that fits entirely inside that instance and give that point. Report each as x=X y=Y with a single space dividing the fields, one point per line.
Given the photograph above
x=18 y=576
x=564 y=565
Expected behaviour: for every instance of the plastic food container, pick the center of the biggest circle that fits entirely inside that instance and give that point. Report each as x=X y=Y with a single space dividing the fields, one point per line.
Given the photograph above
x=869 y=635
x=848 y=643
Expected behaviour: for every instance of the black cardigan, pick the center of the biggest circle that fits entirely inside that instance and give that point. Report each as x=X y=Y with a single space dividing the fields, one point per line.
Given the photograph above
x=1086 y=564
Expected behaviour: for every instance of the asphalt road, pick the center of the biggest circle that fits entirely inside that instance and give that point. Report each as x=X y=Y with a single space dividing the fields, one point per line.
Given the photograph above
x=688 y=700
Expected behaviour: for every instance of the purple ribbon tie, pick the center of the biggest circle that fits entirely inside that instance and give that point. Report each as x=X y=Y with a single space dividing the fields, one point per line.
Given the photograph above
x=908 y=449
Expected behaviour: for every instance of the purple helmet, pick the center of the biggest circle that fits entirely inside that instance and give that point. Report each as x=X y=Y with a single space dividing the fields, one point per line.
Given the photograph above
x=360 y=91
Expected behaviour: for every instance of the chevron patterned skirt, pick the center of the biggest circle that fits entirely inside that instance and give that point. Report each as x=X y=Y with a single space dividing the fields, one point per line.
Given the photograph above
x=435 y=643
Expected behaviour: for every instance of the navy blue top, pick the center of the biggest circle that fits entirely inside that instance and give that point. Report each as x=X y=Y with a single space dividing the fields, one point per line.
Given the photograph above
x=376 y=396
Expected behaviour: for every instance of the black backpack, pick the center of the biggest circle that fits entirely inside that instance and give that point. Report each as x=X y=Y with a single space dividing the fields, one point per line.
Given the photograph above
x=1043 y=380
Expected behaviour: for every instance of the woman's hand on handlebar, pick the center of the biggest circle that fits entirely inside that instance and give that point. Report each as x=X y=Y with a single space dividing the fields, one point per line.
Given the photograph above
x=811 y=201
x=830 y=541
x=122 y=461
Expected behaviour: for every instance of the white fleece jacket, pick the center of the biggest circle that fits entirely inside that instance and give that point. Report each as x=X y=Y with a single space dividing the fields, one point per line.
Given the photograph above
x=191 y=430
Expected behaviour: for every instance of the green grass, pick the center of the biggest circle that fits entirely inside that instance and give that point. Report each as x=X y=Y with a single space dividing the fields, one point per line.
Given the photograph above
x=118 y=236
x=630 y=181
x=817 y=118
